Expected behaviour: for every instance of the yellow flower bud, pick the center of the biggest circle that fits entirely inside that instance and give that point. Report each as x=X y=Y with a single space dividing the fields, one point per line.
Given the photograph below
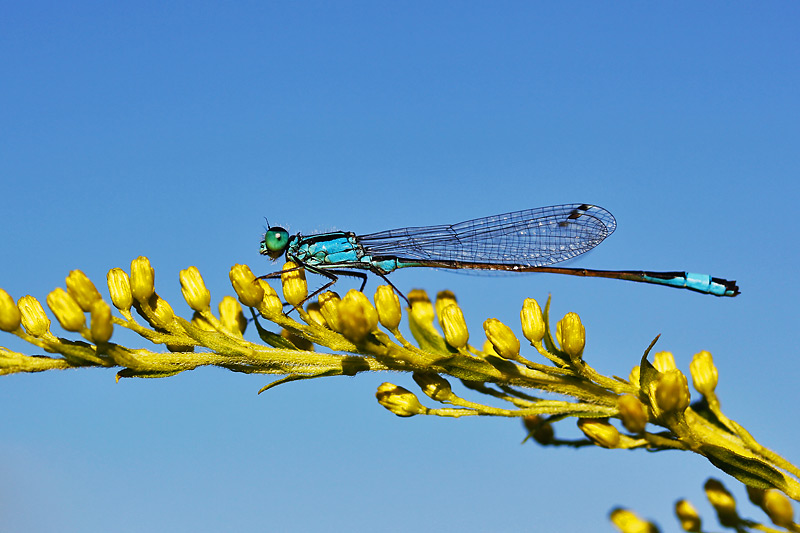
x=357 y=316
x=454 y=326
x=398 y=400
x=100 y=324
x=244 y=283
x=571 y=335
x=315 y=317
x=687 y=514
x=329 y=307
x=388 y=306
x=67 y=311
x=541 y=430
x=295 y=288
x=778 y=509
x=664 y=361
x=119 y=287
x=533 y=327
x=231 y=316
x=421 y=307
x=33 y=317
x=162 y=312
x=271 y=305
x=9 y=313
x=600 y=431
x=488 y=349
x=723 y=503
x=502 y=338
x=704 y=373
x=443 y=299
x=672 y=391
x=433 y=385
x=632 y=413
x=142 y=279
x=82 y=290
x=628 y=522
x=194 y=289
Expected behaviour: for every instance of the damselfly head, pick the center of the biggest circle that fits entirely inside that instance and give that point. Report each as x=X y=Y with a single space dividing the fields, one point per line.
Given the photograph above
x=275 y=241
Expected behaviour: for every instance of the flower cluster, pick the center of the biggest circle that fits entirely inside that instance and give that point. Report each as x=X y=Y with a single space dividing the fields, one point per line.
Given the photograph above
x=336 y=335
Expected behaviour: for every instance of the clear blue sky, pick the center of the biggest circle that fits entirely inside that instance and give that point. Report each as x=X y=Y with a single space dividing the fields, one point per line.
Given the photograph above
x=172 y=130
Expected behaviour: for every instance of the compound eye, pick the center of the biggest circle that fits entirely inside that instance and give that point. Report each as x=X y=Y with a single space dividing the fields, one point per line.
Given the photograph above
x=275 y=242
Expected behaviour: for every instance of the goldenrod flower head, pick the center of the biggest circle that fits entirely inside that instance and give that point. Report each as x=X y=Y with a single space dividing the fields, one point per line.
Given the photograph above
x=778 y=508
x=142 y=279
x=443 y=299
x=357 y=317
x=315 y=317
x=541 y=430
x=271 y=305
x=295 y=288
x=571 y=335
x=329 y=307
x=194 y=289
x=533 y=326
x=454 y=326
x=82 y=290
x=398 y=400
x=67 y=311
x=32 y=316
x=231 y=316
x=162 y=311
x=632 y=413
x=119 y=287
x=505 y=343
x=421 y=306
x=433 y=385
x=627 y=522
x=388 y=306
x=723 y=502
x=704 y=373
x=687 y=514
x=600 y=431
x=9 y=313
x=100 y=323
x=633 y=377
x=664 y=361
x=250 y=293
x=672 y=391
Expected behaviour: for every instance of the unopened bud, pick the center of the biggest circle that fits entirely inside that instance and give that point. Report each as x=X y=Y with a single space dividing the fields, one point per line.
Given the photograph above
x=119 y=287
x=9 y=313
x=723 y=502
x=600 y=431
x=329 y=307
x=433 y=385
x=250 y=292
x=454 y=326
x=778 y=509
x=704 y=373
x=194 y=289
x=398 y=400
x=533 y=327
x=505 y=343
x=664 y=361
x=571 y=335
x=295 y=288
x=82 y=290
x=100 y=323
x=672 y=391
x=357 y=316
x=231 y=316
x=33 y=317
x=66 y=309
x=632 y=413
x=687 y=514
x=388 y=306
x=142 y=279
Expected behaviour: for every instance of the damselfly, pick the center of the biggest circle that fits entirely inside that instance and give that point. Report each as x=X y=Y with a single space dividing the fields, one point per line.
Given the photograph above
x=523 y=241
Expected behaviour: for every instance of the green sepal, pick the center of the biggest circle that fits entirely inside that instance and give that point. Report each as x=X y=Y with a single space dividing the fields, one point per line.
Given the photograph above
x=129 y=373
x=751 y=471
x=272 y=339
x=298 y=377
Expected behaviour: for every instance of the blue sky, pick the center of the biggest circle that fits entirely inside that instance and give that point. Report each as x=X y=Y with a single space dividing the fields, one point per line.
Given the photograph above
x=171 y=131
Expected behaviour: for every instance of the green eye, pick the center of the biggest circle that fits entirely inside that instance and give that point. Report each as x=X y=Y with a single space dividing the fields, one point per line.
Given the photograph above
x=275 y=242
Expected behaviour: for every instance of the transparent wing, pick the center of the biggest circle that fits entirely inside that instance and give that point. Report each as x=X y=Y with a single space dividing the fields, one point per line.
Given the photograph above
x=533 y=237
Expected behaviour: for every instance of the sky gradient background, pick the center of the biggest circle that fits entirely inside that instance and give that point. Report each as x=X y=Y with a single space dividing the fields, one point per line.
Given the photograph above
x=171 y=131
